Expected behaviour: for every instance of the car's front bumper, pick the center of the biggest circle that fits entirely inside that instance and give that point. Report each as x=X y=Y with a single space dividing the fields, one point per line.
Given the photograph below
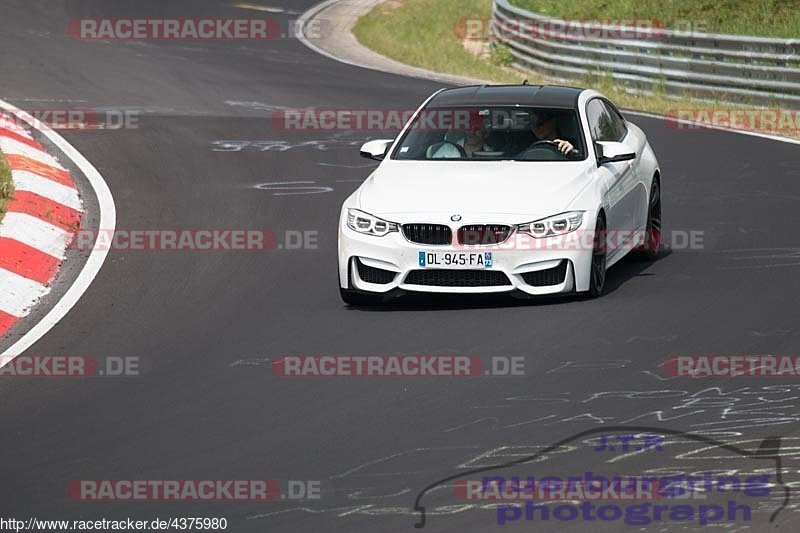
x=516 y=259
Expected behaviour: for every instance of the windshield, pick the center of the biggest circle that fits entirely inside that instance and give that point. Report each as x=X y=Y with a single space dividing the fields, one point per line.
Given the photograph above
x=493 y=133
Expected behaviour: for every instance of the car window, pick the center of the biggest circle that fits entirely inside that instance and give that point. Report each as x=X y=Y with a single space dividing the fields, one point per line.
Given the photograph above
x=605 y=123
x=492 y=133
x=616 y=117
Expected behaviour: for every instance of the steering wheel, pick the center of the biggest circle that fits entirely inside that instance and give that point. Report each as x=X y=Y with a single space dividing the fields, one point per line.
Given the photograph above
x=545 y=142
x=547 y=149
x=547 y=145
x=542 y=151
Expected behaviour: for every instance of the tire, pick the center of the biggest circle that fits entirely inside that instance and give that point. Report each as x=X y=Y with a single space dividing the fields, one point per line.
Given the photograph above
x=597 y=276
x=652 y=240
x=359 y=299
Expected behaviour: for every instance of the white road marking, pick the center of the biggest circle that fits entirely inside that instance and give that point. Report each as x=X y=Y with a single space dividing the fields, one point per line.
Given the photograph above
x=257 y=7
x=308 y=16
x=108 y=221
x=302 y=187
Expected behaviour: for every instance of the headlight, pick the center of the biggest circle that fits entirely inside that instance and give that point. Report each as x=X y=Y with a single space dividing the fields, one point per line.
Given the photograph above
x=555 y=225
x=368 y=224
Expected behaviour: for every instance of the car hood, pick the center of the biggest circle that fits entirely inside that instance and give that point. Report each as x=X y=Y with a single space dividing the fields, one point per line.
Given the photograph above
x=497 y=187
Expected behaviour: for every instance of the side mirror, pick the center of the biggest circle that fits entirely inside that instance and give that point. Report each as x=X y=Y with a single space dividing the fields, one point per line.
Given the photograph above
x=376 y=149
x=611 y=152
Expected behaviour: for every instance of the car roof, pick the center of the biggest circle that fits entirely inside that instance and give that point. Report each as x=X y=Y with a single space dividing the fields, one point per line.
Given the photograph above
x=528 y=95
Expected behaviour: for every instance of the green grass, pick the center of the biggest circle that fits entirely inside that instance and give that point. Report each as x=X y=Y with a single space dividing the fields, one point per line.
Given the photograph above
x=422 y=33
x=6 y=186
x=766 y=18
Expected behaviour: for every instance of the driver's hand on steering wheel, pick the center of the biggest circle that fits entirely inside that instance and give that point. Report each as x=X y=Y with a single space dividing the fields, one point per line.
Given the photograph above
x=564 y=147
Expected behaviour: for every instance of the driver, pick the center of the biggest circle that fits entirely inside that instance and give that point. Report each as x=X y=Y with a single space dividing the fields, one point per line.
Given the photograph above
x=544 y=127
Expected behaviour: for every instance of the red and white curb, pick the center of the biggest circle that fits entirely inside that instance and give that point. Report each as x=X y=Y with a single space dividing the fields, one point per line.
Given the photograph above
x=40 y=222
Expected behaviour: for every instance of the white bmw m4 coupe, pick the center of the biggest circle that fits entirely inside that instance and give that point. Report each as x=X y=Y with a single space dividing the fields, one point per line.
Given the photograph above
x=533 y=190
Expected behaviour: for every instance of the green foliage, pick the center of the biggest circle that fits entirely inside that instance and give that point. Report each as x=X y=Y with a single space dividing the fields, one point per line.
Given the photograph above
x=767 y=18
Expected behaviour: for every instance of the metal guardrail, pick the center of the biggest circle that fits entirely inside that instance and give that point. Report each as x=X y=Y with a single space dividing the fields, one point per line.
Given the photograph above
x=755 y=70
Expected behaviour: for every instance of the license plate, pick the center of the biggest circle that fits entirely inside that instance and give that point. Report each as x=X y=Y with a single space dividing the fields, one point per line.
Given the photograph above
x=464 y=260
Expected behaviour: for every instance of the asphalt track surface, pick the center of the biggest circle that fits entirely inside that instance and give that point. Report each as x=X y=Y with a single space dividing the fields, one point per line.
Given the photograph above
x=201 y=413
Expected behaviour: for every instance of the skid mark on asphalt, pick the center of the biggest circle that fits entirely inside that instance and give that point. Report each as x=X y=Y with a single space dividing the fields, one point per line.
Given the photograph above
x=345 y=166
x=774 y=333
x=580 y=366
x=533 y=421
x=282 y=146
x=260 y=106
x=756 y=258
x=359 y=470
x=714 y=411
x=358 y=493
x=490 y=457
x=664 y=338
x=659 y=378
x=733 y=413
x=492 y=419
x=252 y=361
x=487 y=457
